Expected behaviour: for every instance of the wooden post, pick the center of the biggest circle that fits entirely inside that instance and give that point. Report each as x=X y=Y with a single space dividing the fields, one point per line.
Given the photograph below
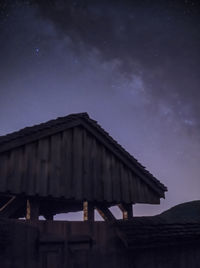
x=28 y=210
x=127 y=211
x=105 y=213
x=125 y=215
x=32 y=209
x=88 y=211
x=48 y=216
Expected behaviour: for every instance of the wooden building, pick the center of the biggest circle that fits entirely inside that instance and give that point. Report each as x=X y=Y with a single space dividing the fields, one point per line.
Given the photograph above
x=72 y=164
x=137 y=243
x=69 y=164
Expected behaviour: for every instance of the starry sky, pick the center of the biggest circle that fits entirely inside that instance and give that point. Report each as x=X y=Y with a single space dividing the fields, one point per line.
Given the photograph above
x=132 y=65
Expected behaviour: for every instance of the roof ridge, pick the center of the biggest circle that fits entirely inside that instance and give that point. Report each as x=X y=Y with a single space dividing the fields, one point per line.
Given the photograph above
x=26 y=130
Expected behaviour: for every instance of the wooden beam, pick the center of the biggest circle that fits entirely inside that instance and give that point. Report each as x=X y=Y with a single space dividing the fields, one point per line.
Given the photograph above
x=105 y=213
x=12 y=207
x=32 y=212
x=88 y=211
x=8 y=203
x=127 y=211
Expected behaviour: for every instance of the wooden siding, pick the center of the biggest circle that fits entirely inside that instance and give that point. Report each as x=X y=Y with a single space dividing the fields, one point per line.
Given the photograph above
x=49 y=244
x=72 y=164
x=18 y=245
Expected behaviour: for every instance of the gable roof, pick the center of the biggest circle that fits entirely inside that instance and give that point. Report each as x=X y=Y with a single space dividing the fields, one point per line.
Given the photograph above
x=31 y=134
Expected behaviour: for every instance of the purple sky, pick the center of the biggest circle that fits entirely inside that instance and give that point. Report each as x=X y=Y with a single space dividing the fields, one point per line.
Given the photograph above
x=134 y=67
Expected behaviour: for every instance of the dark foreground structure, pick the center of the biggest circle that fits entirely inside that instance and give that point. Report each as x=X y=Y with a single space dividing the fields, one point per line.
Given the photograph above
x=72 y=164
x=137 y=243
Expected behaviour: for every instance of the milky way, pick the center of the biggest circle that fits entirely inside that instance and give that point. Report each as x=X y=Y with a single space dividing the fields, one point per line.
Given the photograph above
x=132 y=65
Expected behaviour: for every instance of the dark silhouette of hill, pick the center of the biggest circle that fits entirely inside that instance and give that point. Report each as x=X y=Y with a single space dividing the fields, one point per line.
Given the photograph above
x=185 y=212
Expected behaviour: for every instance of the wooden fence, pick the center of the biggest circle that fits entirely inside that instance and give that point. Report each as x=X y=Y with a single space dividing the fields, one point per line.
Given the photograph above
x=56 y=244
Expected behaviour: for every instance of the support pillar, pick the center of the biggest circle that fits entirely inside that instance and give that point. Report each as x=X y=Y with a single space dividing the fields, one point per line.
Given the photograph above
x=32 y=209
x=127 y=211
x=88 y=211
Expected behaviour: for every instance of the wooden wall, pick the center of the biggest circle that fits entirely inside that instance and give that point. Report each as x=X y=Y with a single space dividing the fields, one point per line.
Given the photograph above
x=72 y=164
x=18 y=245
x=69 y=244
x=48 y=244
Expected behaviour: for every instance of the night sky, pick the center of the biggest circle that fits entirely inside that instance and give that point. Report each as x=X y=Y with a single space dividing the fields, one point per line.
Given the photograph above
x=134 y=66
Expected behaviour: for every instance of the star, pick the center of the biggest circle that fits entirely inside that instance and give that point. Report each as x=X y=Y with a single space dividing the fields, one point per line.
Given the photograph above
x=37 y=50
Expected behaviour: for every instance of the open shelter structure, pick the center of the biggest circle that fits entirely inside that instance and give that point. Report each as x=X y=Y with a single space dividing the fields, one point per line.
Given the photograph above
x=72 y=164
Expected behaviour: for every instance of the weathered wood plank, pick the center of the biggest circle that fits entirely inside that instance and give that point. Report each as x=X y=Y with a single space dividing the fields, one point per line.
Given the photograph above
x=95 y=169
x=87 y=163
x=12 y=184
x=42 y=167
x=128 y=187
x=86 y=170
x=77 y=163
x=54 y=167
x=132 y=187
x=107 y=176
x=38 y=179
x=136 y=182
x=123 y=182
x=21 y=170
x=99 y=174
x=63 y=165
x=116 y=180
x=3 y=171
x=30 y=175
x=66 y=164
